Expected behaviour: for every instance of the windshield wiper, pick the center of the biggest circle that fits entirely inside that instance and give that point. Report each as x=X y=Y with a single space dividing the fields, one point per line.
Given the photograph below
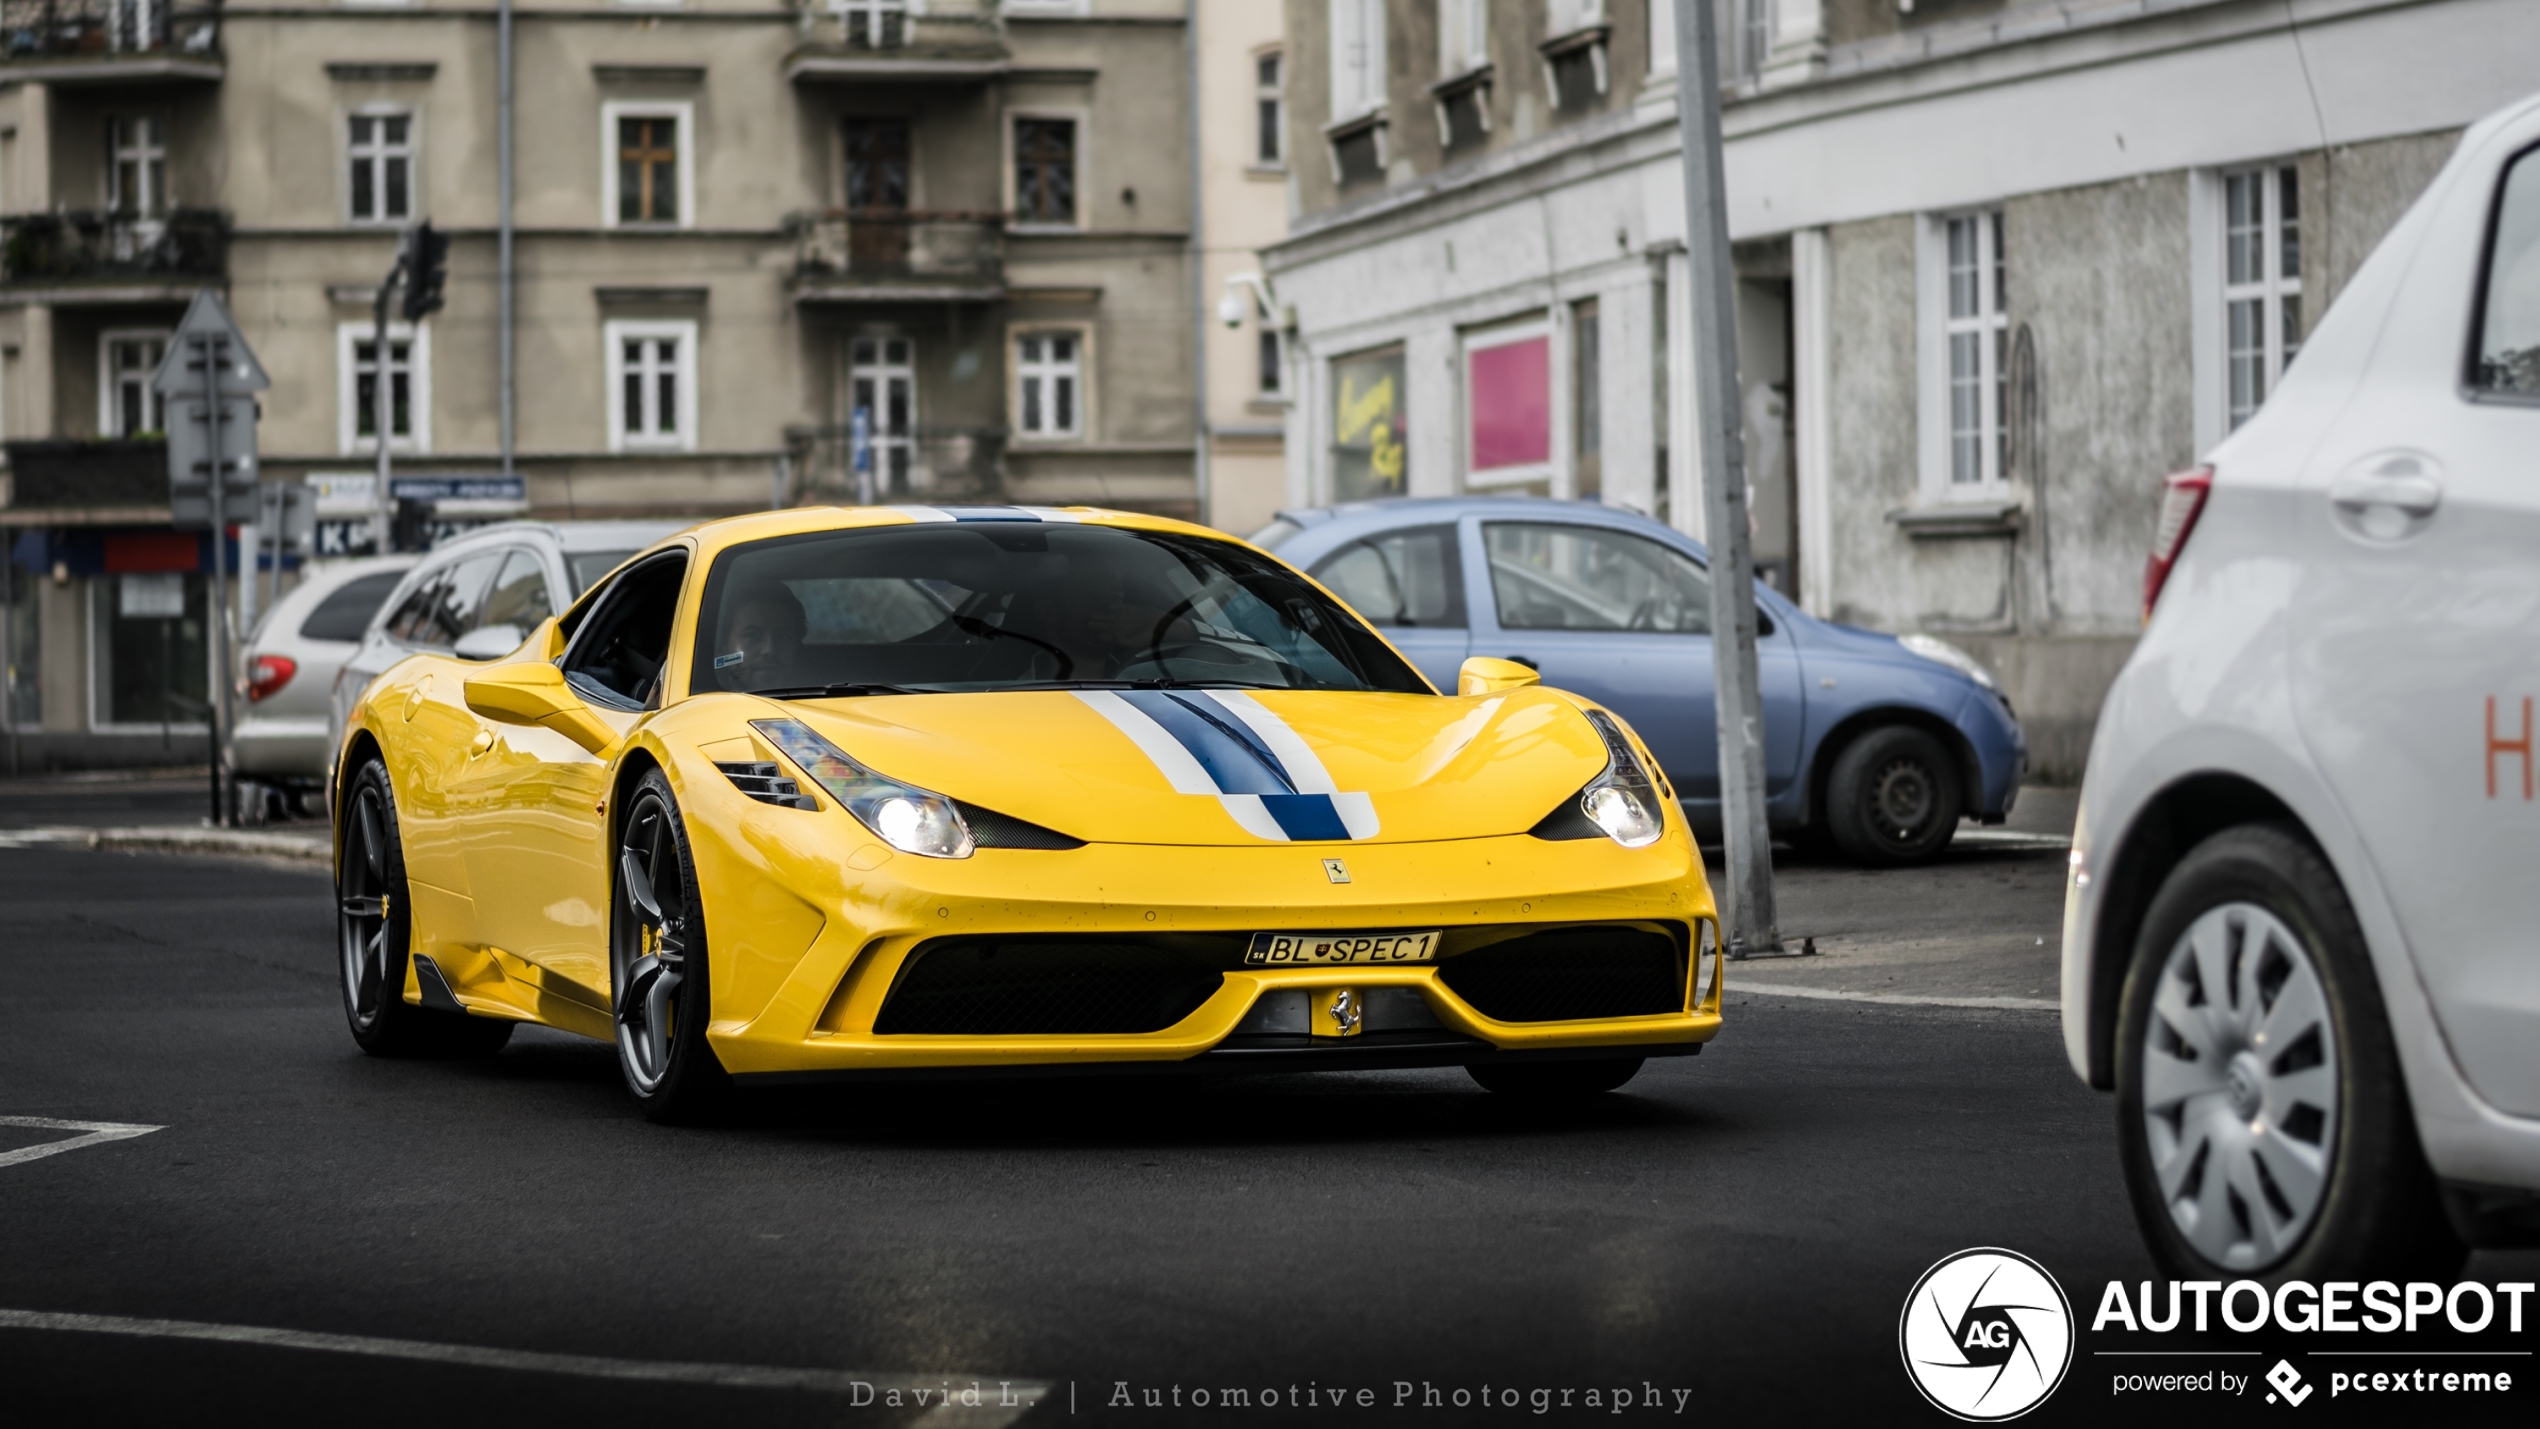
x=817 y=692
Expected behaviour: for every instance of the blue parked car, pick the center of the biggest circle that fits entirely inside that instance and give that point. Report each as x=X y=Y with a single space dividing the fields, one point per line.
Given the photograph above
x=1876 y=744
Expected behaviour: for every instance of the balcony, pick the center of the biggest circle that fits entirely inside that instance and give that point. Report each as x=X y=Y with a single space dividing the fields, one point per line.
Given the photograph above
x=99 y=256
x=109 y=41
x=86 y=483
x=883 y=41
x=898 y=256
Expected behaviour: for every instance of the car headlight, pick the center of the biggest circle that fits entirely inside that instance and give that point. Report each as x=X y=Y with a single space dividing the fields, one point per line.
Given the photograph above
x=1941 y=652
x=1622 y=803
x=909 y=819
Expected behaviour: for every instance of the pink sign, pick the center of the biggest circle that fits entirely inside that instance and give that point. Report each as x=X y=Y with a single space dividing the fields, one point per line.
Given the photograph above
x=1512 y=404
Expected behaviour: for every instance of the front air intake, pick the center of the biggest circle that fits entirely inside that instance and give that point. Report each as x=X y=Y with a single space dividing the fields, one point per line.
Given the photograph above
x=1572 y=974
x=1050 y=986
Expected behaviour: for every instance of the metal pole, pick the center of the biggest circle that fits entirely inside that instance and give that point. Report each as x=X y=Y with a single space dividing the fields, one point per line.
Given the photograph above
x=1202 y=482
x=503 y=225
x=380 y=407
x=208 y=350
x=1754 y=923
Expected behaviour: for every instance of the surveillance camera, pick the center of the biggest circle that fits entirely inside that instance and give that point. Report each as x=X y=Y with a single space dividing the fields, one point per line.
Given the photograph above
x=1230 y=310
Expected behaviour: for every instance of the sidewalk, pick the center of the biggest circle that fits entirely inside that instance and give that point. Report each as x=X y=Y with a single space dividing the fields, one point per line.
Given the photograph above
x=296 y=843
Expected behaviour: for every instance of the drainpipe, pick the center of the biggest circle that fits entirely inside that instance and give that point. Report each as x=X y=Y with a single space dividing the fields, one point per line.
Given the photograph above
x=1199 y=265
x=503 y=235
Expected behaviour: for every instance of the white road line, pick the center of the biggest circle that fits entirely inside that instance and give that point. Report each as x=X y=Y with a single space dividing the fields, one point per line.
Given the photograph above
x=949 y=1399
x=1894 y=999
x=99 y=1132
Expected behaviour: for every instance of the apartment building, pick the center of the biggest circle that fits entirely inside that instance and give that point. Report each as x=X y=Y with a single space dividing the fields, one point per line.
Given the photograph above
x=1242 y=122
x=2001 y=265
x=766 y=251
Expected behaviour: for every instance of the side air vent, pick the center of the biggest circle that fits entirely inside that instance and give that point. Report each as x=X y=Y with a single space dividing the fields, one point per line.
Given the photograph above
x=990 y=829
x=768 y=784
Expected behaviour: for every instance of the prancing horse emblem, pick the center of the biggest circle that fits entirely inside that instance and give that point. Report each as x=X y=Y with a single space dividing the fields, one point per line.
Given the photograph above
x=1345 y=1012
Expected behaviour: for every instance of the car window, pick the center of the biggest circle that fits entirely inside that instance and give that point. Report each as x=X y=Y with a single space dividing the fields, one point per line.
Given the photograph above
x=1401 y=578
x=1556 y=577
x=2509 y=320
x=451 y=612
x=1006 y=605
x=413 y=612
x=519 y=597
x=589 y=566
x=345 y=614
x=617 y=658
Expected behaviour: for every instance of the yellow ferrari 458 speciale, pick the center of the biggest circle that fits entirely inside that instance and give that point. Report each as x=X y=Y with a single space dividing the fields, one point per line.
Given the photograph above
x=913 y=790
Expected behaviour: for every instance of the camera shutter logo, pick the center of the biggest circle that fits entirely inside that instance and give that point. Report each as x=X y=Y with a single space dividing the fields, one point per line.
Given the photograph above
x=1986 y=1335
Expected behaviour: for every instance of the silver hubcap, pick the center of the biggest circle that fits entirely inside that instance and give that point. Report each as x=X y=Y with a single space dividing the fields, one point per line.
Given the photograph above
x=362 y=909
x=649 y=955
x=2240 y=1087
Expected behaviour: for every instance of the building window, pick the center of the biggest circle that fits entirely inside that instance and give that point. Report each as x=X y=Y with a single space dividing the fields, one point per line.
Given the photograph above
x=882 y=406
x=1754 y=37
x=1358 y=58
x=873 y=24
x=381 y=150
x=1462 y=92
x=1574 y=54
x=1463 y=36
x=1045 y=171
x=1272 y=361
x=127 y=406
x=2262 y=283
x=150 y=625
x=1049 y=375
x=652 y=370
x=1368 y=425
x=409 y=387
x=649 y=177
x=137 y=170
x=1270 y=109
x=1508 y=408
x=1975 y=333
x=1587 y=402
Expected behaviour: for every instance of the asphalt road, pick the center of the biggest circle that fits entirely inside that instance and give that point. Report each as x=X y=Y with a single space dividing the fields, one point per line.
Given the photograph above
x=1742 y=1226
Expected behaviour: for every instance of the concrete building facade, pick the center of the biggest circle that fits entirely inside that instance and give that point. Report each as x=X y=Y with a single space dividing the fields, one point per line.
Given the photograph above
x=2002 y=264
x=765 y=253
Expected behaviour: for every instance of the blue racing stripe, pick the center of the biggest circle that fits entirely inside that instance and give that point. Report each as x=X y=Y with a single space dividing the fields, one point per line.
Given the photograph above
x=1306 y=816
x=1238 y=765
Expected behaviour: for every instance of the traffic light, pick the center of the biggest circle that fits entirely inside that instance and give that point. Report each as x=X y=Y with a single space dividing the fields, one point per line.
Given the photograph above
x=427 y=267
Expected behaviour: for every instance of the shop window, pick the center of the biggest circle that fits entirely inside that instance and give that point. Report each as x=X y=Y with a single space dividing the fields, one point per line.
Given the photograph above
x=1587 y=403
x=1368 y=425
x=149 y=657
x=1508 y=408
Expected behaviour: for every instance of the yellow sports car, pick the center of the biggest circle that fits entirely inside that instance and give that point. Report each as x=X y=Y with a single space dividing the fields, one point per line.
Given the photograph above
x=913 y=790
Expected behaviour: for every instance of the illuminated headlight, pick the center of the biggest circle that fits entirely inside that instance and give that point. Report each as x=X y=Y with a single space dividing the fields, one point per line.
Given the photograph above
x=1623 y=801
x=908 y=819
x=1941 y=652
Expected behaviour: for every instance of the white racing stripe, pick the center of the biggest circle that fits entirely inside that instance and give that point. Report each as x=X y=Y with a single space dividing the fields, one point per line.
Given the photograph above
x=99 y=1132
x=948 y=1397
x=1169 y=757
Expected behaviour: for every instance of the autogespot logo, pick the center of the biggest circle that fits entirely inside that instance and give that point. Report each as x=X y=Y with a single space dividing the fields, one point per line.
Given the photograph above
x=1987 y=1334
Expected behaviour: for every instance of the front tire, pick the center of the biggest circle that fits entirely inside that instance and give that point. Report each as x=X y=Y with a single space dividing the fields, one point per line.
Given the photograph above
x=374 y=933
x=2262 y=1117
x=1892 y=798
x=1556 y=1079
x=657 y=962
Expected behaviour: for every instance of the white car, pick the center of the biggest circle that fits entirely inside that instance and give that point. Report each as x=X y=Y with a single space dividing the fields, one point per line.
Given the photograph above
x=480 y=593
x=291 y=661
x=2299 y=936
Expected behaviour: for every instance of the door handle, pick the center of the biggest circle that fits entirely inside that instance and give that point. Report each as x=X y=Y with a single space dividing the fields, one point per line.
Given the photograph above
x=2388 y=497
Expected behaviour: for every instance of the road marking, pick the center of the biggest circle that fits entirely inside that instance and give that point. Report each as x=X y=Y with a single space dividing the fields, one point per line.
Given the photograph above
x=2012 y=839
x=1896 y=999
x=998 y=1401
x=99 y=1133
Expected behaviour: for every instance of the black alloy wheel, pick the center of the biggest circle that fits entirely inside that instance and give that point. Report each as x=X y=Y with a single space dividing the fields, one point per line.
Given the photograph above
x=1892 y=798
x=374 y=932
x=657 y=961
x=2262 y=1116
x=1585 y=1078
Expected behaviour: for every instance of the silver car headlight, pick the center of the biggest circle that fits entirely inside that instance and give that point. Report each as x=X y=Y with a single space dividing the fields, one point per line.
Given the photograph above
x=1622 y=804
x=907 y=818
x=1941 y=652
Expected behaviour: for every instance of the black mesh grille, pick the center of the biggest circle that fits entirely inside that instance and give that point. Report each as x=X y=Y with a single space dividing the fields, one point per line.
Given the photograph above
x=1571 y=973
x=981 y=987
x=990 y=829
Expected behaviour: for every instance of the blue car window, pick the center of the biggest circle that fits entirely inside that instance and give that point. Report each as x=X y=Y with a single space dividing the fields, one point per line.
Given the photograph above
x=1401 y=578
x=1548 y=576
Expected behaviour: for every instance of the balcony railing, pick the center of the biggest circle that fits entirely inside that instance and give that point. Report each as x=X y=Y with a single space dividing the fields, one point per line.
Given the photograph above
x=92 y=246
x=99 y=29
x=899 y=247
x=954 y=41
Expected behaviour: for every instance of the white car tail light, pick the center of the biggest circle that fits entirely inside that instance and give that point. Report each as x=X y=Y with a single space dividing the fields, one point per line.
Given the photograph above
x=2183 y=496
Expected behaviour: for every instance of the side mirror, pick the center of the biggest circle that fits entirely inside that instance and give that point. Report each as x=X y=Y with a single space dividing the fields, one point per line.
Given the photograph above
x=536 y=694
x=488 y=642
x=1483 y=675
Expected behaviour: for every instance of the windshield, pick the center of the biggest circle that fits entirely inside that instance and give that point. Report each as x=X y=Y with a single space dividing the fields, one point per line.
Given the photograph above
x=979 y=605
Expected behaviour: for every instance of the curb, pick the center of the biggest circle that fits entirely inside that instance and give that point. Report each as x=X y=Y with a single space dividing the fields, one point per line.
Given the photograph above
x=237 y=843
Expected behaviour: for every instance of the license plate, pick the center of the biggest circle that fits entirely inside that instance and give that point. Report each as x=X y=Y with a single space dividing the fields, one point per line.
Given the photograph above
x=1324 y=950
